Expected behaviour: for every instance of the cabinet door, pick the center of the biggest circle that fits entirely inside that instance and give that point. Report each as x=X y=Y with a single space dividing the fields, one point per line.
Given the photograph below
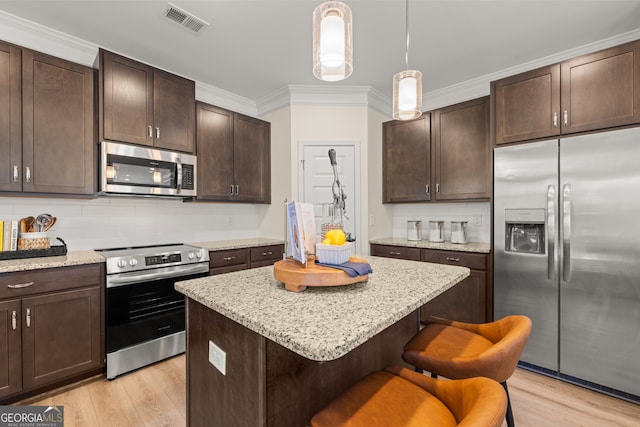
x=60 y=335
x=464 y=302
x=10 y=348
x=215 y=153
x=10 y=118
x=462 y=151
x=399 y=252
x=406 y=160
x=601 y=90
x=174 y=100
x=226 y=261
x=58 y=140
x=265 y=255
x=251 y=159
x=527 y=105
x=127 y=99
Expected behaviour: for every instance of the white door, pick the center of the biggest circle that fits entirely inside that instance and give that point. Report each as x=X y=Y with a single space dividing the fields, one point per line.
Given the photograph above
x=317 y=179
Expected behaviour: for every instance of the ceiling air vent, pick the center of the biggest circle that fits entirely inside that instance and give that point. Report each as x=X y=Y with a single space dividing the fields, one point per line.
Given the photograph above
x=174 y=14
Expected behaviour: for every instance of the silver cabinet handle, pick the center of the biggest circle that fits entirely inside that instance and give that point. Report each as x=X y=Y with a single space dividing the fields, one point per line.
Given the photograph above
x=16 y=175
x=27 y=174
x=237 y=189
x=14 y=320
x=231 y=189
x=437 y=188
x=20 y=285
x=566 y=117
x=395 y=253
x=426 y=188
x=28 y=317
x=555 y=119
x=150 y=129
x=551 y=229
x=566 y=232
x=229 y=258
x=267 y=253
x=453 y=259
x=157 y=133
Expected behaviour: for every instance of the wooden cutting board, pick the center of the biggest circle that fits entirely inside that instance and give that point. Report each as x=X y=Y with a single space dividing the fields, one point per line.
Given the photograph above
x=296 y=277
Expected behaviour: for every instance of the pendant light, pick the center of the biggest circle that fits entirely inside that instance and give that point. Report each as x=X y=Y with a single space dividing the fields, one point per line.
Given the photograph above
x=332 y=41
x=407 y=86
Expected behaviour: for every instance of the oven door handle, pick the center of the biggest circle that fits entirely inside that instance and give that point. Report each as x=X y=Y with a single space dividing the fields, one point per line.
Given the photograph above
x=122 y=280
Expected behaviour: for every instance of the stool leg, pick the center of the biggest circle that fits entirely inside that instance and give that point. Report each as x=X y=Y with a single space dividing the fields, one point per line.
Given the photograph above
x=434 y=375
x=509 y=417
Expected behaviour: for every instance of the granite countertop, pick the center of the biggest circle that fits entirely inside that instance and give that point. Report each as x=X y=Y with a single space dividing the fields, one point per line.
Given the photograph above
x=484 y=248
x=324 y=323
x=220 y=245
x=71 y=258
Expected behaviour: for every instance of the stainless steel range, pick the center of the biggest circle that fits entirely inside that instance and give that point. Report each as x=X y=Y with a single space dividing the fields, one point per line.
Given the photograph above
x=145 y=315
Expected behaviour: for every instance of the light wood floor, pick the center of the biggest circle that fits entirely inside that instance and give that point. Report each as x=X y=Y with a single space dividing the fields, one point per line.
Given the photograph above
x=155 y=396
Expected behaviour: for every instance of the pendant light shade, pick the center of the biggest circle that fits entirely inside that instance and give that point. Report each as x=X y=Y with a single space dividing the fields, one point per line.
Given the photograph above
x=332 y=41
x=407 y=95
x=407 y=87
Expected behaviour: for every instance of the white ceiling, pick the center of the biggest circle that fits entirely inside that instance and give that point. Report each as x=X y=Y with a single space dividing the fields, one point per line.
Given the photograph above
x=254 y=48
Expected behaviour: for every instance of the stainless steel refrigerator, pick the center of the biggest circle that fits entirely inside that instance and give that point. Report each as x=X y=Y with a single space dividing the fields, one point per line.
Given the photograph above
x=567 y=254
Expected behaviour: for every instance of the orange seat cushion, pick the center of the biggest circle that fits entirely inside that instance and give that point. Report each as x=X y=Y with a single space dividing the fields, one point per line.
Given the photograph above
x=384 y=399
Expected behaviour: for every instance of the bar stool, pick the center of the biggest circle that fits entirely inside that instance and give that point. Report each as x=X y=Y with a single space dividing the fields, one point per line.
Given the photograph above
x=400 y=397
x=458 y=350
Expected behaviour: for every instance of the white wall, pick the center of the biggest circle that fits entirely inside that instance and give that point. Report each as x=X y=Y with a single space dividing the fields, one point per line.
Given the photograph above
x=380 y=217
x=122 y=221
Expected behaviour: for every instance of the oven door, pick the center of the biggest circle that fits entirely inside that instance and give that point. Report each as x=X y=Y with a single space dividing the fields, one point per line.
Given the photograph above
x=141 y=312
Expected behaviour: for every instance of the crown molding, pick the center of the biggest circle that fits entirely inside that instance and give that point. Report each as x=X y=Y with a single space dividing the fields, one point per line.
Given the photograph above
x=224 y=99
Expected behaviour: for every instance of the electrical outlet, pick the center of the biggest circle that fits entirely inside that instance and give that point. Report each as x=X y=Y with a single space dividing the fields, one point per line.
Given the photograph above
x=218 y=358
x=477 y=220
x=230 y=220
x=370 y=219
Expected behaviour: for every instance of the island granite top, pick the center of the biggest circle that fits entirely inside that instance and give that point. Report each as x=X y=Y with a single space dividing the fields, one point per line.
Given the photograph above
x=323 y=323
x=484 y=248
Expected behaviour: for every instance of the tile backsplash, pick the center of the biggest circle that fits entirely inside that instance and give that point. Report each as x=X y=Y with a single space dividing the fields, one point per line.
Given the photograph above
x=107 y=222
x=477 y=214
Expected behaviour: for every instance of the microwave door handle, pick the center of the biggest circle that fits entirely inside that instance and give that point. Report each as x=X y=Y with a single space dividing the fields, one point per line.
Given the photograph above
x=179 y=172
x=551 y=228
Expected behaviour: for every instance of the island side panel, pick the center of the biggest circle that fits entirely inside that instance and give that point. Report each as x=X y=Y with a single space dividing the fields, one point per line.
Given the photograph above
x=297 y=387
x=214 y=399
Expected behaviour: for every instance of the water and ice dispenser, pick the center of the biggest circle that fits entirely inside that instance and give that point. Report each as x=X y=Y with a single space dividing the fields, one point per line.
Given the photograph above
x=525 y=231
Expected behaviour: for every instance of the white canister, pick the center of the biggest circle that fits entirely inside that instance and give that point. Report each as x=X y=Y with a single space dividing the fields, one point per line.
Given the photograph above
x=414 y=230
x=436 y=231
x=458 y=231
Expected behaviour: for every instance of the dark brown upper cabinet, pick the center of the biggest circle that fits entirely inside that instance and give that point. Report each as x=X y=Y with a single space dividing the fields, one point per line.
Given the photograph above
x=595 y=91
x=47 y=124
x=406 y=160
x=445 y=155
x=234 y=156
x=461 y=158
x=143 y=105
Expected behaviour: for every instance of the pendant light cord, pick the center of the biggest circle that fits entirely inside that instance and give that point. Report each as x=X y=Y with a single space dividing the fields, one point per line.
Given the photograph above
x=406 y=25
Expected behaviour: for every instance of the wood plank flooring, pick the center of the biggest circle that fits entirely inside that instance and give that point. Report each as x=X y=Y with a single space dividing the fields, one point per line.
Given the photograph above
x=155 y=396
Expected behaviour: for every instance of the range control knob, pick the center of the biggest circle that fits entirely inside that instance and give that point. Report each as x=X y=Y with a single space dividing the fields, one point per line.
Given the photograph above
x=199 y=254
x=133 y=262
x=122 y=263
x=191 y=255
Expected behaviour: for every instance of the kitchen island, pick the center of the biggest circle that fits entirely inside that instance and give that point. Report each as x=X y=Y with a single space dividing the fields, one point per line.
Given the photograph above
x=286 y=355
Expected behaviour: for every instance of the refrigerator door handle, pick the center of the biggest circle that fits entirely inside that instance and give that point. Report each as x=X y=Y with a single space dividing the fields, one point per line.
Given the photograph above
x=566 y=232
x=551 y=228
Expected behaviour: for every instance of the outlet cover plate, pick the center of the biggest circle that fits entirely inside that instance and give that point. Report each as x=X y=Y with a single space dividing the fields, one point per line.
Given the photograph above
x=218 y=358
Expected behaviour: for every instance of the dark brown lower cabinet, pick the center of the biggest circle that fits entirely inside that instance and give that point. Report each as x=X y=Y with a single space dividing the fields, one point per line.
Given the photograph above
x=51 y=330
x=228 y=260
x=469 y=300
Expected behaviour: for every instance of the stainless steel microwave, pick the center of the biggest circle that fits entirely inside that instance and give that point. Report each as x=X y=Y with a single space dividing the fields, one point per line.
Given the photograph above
x=135 y=170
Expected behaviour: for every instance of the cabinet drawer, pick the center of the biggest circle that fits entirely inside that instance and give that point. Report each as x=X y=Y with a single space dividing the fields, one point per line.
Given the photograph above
x=50 y=280
x=227 y=258
x=401 y=252
x=464 y=259
x=265 y=255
